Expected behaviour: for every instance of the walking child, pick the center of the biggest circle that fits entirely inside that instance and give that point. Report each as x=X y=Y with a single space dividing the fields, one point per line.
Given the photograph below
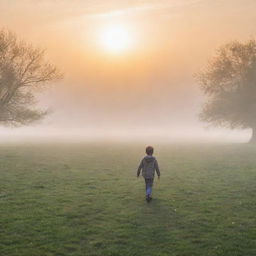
x=149 y=165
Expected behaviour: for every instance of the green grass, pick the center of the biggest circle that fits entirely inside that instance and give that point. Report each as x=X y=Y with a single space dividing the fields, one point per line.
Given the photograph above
x=84 y=199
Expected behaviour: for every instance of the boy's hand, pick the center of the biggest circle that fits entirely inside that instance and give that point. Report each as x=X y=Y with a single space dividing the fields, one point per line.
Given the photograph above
x=159 y=177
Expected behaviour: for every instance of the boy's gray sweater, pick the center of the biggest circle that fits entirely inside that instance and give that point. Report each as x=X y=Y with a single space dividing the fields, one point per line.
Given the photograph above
x=148 y=165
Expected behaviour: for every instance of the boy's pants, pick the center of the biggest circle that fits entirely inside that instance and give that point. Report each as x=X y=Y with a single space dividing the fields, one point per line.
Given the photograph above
x=149 y=185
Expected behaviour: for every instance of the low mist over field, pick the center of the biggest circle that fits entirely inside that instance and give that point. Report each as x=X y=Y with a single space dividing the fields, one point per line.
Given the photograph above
x=141 y=86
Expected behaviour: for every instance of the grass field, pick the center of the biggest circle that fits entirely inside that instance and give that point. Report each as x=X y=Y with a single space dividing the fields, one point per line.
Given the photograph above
x=84 y=199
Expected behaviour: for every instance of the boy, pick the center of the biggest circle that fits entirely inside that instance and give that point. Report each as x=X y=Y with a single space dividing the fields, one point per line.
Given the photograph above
x=149 y=165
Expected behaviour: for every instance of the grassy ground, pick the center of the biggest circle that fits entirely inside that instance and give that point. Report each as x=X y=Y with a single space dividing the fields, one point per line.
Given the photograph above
x=78 y=199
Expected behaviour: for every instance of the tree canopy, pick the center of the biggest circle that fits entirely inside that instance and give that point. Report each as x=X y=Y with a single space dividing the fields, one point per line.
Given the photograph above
x=229 y=81
x=23 y=69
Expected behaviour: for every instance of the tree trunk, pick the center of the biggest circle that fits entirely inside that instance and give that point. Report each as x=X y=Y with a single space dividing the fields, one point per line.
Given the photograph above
x=253 y=137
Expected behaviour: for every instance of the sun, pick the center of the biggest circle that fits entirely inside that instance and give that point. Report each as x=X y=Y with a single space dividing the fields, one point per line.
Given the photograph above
x=115 y=38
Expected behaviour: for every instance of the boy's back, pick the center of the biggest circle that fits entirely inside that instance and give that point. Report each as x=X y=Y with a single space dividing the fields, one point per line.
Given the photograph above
x=149 y=165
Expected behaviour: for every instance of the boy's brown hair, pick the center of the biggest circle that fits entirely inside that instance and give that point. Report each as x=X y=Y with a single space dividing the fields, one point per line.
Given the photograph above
x=149 y=150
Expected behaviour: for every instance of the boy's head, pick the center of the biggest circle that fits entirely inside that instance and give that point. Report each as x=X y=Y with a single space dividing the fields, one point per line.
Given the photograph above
x=149 y=150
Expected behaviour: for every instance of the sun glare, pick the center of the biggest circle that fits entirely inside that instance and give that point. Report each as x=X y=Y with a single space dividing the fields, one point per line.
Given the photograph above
x=115 y=39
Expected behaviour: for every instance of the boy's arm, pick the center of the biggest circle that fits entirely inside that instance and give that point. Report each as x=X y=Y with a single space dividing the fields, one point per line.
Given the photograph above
x=157 y=168
x=139 y=168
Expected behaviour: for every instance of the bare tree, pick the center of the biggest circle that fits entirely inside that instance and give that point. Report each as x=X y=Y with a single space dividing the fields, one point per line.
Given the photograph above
x=229 y=81
x=23 y=68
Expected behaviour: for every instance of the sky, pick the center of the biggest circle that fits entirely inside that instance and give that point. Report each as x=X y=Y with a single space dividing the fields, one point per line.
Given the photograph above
x=142 y=88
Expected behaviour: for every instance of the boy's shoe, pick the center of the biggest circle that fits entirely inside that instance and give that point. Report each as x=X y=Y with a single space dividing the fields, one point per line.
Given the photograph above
x=148 y=198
